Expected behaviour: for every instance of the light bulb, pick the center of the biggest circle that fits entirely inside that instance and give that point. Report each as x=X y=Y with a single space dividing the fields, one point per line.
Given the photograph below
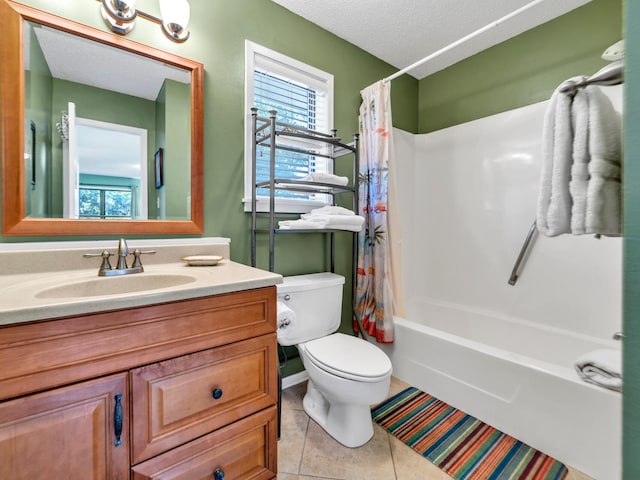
x=175 y=19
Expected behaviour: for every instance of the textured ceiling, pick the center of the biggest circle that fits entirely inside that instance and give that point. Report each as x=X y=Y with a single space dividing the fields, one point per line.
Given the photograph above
x=79 y=60
x=401 y=32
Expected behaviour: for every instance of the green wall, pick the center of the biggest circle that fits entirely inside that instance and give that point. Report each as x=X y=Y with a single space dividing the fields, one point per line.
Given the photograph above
x=177 y=150
x=518 y=72
x=521 y=71
x=110 y=181
x=218 y=32
x=631 y=293
x=38 y=94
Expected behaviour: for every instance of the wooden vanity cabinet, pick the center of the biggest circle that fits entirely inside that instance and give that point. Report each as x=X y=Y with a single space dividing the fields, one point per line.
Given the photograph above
x=195 y=382
x=66 y=433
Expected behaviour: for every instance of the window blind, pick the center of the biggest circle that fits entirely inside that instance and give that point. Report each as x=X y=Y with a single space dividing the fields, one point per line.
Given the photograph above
x=299 y=105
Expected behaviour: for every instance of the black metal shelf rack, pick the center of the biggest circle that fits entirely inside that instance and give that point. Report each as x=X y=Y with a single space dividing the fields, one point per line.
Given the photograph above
x=276 y=135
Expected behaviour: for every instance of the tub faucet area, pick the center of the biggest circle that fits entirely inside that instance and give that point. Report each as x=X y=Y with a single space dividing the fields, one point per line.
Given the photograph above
x=122 y=268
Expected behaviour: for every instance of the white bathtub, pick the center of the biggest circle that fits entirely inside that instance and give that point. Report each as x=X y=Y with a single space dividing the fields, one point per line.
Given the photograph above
x=516 y=376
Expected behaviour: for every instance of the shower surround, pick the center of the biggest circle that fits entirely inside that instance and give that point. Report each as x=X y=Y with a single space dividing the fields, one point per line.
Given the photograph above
x=503 y=353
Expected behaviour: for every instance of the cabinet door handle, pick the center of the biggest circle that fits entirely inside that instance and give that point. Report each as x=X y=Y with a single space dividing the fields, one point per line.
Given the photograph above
x=217 y=393
x=218 y=474
x=117 y=419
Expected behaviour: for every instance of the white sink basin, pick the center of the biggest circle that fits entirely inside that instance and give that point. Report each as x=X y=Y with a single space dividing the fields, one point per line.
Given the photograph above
x=116 y=285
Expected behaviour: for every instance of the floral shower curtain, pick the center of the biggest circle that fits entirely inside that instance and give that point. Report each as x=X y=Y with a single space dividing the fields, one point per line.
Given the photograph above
x=378 y=286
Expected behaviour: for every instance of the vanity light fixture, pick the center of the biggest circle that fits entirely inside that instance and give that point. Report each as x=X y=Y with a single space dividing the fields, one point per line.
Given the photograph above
x=121 y=16
x=175 y=19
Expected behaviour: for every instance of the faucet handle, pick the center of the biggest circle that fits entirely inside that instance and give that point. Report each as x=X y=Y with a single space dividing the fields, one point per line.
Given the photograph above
x=106 y=265
x=136 y=257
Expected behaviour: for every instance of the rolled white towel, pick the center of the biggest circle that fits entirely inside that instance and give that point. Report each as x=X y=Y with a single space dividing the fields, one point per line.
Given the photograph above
x=328 y=210
x=602 y=367
x=325 y=178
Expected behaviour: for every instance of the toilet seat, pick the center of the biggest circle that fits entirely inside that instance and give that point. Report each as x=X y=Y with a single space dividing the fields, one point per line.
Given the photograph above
x=348 y=357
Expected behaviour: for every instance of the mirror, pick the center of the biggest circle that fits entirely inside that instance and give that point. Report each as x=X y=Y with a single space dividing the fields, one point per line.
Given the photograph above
x=58 y=176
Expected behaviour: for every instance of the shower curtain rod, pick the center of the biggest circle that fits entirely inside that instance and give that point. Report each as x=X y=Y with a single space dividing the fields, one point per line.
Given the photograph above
x=462 y=40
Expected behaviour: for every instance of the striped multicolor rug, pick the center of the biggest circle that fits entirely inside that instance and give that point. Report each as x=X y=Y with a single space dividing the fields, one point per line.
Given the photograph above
x=461 y=445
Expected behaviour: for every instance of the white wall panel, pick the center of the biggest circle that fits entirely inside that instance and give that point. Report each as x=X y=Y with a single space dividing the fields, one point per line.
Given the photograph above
x=469 y=199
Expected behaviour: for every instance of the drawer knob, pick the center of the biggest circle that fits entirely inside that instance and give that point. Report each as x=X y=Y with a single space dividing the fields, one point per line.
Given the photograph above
x=218 y=474
x=217 y=393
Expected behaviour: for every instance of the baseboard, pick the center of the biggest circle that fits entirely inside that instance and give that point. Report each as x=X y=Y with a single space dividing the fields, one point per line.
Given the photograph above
x=294 y=379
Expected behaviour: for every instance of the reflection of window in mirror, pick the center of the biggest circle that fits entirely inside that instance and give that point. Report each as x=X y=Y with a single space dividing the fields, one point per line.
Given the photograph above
x=101 y=202
x=99 y=142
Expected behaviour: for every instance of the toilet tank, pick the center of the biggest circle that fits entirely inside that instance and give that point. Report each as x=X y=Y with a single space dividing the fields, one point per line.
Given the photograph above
x=316 y=300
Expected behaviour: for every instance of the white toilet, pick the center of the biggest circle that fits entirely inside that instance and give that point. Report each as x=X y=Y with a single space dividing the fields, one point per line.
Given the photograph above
x=346 y=374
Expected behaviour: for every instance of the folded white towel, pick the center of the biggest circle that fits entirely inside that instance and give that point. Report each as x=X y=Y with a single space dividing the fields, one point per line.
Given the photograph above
x=325 y=178
x=328 y=210
x=580 y=181
x=344 y=222
x=554 y=199
x=602 y=367
x=603 y=213
x=338 y=222
x=300 y=224
x=581 y=156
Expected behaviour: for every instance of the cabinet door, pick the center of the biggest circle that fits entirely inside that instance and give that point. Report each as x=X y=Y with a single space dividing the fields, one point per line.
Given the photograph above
x=69 y=433
x=183 y=398
x=242 y=451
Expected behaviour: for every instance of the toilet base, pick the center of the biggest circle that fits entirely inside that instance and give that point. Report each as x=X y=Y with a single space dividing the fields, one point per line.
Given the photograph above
x=351 y=425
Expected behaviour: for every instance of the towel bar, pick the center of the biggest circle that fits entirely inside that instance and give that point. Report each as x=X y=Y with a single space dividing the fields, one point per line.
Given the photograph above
x=611 y=74
x=525 y=246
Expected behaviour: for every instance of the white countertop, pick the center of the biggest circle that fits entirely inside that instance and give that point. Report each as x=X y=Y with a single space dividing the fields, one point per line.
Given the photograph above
x=20 y=300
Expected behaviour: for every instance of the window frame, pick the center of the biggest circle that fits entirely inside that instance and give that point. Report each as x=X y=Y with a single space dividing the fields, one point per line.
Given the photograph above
x=258 y=56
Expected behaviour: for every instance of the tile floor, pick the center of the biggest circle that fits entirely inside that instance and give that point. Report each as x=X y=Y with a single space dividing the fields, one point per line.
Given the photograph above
x=307 y=452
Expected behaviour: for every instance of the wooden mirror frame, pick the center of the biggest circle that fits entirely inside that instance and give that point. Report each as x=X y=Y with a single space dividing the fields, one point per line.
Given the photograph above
x=12 y=91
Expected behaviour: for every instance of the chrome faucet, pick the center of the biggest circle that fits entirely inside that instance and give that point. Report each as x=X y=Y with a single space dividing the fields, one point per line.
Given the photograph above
x=105 y=269
x=123 y=251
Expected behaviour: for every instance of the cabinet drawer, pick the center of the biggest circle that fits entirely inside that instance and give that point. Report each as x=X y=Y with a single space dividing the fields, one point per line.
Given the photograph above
x=243 y=450
x=180 y=399
x=78 y=348
x=69 y=432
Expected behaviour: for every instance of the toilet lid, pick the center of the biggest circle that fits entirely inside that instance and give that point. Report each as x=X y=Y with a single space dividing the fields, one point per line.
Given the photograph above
x=349 y=357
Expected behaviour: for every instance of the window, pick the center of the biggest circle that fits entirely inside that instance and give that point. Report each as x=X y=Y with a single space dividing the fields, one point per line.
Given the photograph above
x=100 y=202
x=302 y=95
